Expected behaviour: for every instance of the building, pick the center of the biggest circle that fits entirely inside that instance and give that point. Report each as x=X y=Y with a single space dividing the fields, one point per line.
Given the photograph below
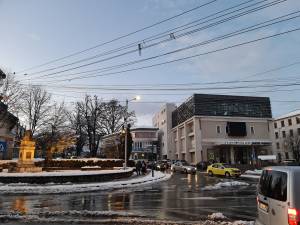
x=163 y=121
x=286 y=136
x=223 y=128
x=144 y=143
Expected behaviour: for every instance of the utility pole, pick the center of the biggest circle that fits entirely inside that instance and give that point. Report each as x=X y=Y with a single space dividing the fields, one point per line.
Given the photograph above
x=125 y=121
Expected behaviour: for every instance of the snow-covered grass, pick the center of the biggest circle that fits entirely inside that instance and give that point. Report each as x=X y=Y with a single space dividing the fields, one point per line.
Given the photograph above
x=87 y=187
x=224 y=185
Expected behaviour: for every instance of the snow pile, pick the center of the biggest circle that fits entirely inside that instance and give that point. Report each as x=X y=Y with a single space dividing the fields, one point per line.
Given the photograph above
x=64 y=173
x=224 y=185
x=254 y=172
x=217 y=216
x=88 y=187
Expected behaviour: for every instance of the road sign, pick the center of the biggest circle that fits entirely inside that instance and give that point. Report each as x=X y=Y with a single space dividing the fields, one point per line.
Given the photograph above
x=2 y=146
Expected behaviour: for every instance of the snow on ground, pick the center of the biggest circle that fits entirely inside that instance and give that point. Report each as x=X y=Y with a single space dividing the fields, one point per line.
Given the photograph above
x=224 y=185
x=217 y=216
x=85 y=187
x=254 y=172
x=64 y=173
x=250 y=176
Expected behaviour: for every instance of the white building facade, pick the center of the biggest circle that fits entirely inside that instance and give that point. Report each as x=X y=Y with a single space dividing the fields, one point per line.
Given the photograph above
x=231 y=129
x=286 y=136
x=163 y=121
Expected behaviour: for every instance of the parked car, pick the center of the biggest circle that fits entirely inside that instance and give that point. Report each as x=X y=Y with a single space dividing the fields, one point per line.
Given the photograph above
x=162 y=165
x=290 y=162
x=223 y=170
x=202 y=165
x=278 y=199
x=184 y=167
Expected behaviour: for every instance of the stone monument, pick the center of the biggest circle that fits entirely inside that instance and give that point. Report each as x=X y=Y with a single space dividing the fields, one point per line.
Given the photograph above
x=26 y=155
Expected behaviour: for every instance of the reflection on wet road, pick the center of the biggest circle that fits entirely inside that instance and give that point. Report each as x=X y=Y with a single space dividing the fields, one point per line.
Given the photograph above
x=179 y=198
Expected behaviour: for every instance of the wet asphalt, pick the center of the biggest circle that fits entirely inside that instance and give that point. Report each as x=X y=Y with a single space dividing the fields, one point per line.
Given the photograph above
x=178 y=199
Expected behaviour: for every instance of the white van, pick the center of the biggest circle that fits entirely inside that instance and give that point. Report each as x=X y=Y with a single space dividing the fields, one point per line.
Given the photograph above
x=278 y=197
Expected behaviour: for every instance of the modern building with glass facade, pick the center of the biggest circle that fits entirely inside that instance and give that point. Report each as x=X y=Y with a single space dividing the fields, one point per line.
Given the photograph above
x=223 y=128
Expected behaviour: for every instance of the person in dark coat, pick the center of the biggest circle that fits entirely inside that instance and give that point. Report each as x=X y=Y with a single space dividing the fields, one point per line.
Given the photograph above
x=138 y=167
x=144 y=168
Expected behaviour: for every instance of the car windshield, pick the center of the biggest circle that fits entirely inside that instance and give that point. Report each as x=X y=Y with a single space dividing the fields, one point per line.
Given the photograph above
x=226 y=165
x=185 y=164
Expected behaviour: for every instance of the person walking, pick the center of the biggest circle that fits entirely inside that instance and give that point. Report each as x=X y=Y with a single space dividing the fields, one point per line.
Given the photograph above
x=144 y=168
x=138 y=167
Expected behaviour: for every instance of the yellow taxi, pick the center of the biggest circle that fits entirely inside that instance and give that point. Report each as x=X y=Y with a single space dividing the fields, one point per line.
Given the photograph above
x=223 y=170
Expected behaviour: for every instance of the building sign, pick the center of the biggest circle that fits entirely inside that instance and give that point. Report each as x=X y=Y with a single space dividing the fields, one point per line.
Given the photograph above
x=247 y=143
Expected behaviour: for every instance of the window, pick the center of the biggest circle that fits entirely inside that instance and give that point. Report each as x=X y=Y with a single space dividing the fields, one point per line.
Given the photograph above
x=218 y=129
x=252 y=130
x=276 y=135
x=275 y=125
x=273 y=184
x=277 y=145
x=297 y=120
x=291 y=133
x=290 y=122
x=282 y=123
x=298 y=131
x=283 y=134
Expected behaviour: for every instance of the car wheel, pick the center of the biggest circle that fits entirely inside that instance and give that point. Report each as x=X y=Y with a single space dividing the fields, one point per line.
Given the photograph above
x=210 y=173
x=227 y=174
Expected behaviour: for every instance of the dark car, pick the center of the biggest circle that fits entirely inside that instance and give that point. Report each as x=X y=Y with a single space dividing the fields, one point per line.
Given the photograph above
x=162 y=165
x=202 y=165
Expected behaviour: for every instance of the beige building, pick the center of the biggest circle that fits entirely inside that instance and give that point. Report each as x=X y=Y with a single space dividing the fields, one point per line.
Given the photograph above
x=286 y=136
x=163 y=121
x=232 y=129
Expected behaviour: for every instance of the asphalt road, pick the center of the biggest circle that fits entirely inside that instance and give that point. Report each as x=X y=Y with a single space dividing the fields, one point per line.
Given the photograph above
x=178 y=199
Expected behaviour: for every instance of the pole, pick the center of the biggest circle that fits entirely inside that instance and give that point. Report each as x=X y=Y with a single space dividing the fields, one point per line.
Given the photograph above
x=126 y=109
x=152 y=160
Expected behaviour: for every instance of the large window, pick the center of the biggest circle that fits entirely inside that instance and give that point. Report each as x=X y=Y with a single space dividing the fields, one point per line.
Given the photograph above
x=297 y=120
x=291 y=133
x=273 y=184
x=276 y=135
x=236 y=129
x=290 y=122
x=275 y=125
x=282 y=123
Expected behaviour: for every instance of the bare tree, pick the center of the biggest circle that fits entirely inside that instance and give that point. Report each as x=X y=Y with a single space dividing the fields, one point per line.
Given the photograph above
x=12 y=92
x=36 y=107
x=293 y=145
x=77 y=124
x=112 y=118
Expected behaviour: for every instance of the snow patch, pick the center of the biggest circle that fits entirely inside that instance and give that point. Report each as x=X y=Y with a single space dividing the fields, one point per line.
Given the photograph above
x=254 y=172
x=87 y=187
x=224 y=185
x=217 y=216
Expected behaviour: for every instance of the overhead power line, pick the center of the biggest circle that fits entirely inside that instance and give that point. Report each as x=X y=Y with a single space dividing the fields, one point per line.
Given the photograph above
x=185 y=58
x=161 y=35
x=188 y=33
x=120 y=37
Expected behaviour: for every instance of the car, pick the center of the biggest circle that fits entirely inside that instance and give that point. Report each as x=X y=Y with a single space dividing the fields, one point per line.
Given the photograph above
x=290 y=162
x=162 y=165
x=183 y=166
x=202 y=165
x=223 y=170
x=278 y=198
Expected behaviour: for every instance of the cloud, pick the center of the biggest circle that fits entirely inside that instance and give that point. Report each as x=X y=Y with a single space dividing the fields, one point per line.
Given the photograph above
x=34 y=36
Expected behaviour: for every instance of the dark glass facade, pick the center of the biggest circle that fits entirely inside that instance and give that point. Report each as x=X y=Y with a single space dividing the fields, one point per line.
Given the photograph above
x=222 y=105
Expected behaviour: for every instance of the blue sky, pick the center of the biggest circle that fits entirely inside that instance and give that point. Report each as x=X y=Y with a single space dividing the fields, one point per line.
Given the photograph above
x=34 y=32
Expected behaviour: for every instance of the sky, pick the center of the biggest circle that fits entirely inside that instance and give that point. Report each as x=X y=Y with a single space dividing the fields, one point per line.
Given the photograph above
x=34 y=32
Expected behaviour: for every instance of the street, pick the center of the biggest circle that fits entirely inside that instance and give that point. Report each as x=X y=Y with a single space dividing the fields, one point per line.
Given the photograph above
x=178 y=199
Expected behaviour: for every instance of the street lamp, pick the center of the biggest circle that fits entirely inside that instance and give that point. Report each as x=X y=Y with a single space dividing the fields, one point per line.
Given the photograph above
x=136 y=98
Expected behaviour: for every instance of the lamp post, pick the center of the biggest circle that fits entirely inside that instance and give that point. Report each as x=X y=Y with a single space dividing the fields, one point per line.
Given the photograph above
x=137 y=98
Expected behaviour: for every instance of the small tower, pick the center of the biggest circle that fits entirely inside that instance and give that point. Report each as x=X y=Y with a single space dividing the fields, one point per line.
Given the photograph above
x=26 y=155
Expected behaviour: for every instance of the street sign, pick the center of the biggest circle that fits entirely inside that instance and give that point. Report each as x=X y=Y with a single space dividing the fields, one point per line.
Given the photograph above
x=2 y=146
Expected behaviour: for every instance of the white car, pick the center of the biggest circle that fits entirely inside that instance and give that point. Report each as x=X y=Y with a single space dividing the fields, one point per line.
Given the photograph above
x=279 y=196
x=183 y=167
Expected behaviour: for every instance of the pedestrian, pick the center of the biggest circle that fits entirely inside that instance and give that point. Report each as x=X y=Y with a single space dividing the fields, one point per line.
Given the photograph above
x=144 y=168
x=138 y=167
